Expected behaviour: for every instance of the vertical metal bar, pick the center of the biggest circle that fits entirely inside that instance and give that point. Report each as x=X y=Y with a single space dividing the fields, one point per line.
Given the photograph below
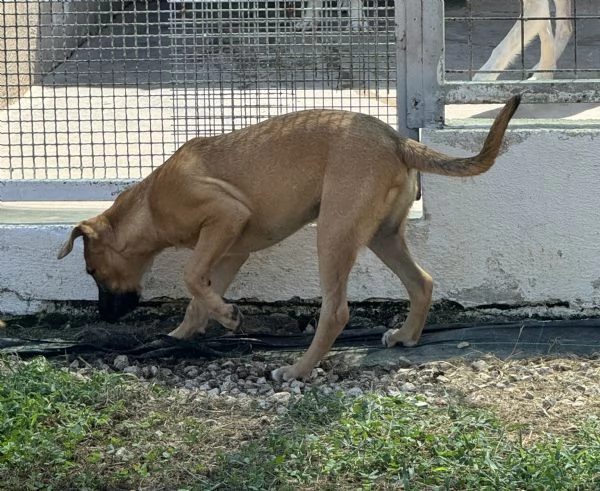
x=402 y=68
x=433 y=64
x=420 y=49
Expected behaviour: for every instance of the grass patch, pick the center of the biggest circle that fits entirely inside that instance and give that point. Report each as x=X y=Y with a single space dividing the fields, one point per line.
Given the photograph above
x=65 y=430
x=383 y=442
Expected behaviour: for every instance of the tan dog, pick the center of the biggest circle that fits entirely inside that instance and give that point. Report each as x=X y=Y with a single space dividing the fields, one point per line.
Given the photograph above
x=229 y=195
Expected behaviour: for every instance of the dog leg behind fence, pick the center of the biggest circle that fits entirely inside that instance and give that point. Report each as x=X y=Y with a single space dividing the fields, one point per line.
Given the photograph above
x=519 y=36
x=311 y=15
x=547 y=64
x=391 y=248
x=356 y=14
x=196 y=314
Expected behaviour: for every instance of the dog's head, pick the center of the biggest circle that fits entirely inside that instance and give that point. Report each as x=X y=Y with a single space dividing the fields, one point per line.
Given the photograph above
x=117 y=274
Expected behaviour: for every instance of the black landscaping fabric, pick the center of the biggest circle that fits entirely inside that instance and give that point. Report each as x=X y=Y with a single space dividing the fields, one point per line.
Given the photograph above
x=509 y=339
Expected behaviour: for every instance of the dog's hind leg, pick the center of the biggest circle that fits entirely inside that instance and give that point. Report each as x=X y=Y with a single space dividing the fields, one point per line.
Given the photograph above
x=196 y=314
x=391 y=248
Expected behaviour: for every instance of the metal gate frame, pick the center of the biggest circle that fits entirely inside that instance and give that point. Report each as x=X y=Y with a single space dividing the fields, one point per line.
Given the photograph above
x=423 y=94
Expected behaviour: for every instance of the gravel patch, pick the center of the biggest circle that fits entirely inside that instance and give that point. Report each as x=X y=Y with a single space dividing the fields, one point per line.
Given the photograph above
x=542 y=394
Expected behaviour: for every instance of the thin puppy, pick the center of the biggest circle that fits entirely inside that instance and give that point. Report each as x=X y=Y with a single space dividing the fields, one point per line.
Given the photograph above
x=227 y=196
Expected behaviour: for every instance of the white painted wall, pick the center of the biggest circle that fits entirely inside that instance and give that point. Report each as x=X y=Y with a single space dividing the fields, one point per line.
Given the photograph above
x=527 y=231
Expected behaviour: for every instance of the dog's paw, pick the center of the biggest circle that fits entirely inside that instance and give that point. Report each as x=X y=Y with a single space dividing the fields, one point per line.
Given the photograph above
x=231 y=318
x=187 y=330
x=358 y=24
x=287 y=373
x=394 y=336
x=388 y=338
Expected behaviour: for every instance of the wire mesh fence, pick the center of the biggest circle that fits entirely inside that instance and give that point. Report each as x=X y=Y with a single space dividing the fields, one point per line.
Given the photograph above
x=109 y=89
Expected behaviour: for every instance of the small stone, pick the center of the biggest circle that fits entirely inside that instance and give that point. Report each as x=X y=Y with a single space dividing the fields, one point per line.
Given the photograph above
x=421 y=404
x=326 y=390
x=74 y=365
x=408 y=387
x=132 y=369
x=213 y=367
x=479 y=365
x=121 y=361
x=281 y=410
x=213 y=392
x=123 y=454
x=191 y=371
x=190 y=384
x=228 y=385
x=261 y=381
x=149 y=371
x=205 y=386
x=166 y=372
x=265 y=389
x=355 y=392
x=463 y=345
x=296 y=384
x=403 y=362
x=280 y=397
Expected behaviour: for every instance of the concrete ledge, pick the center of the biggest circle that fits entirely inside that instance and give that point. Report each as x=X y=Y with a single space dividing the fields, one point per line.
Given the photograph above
x=524 y=233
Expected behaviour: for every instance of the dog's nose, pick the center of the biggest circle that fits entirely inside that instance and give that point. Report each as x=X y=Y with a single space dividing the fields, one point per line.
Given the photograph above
x=113 y=306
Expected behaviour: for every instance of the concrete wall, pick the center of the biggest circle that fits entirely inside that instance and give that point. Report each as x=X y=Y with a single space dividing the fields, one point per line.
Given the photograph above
x=525 y=232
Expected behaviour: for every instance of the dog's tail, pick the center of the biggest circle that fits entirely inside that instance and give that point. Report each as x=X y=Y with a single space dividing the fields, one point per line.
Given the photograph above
x=418 y=156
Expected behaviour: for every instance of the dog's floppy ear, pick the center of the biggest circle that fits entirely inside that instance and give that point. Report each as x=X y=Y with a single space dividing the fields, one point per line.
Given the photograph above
x=79 y=230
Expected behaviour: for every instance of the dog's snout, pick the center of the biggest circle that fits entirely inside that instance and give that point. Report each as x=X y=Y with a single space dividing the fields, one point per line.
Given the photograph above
x=113 y=306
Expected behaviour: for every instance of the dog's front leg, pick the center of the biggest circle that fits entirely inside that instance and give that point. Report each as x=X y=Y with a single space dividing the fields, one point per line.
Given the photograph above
x=519 y=36
x=225 y=218
x=335 y=262
x=196 y=314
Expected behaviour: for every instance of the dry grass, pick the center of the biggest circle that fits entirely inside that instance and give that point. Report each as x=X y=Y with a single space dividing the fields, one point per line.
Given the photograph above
x=543 y=394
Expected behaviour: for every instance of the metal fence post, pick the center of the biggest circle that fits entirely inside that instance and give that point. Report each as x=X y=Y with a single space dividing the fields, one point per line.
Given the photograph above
x=420 y=65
